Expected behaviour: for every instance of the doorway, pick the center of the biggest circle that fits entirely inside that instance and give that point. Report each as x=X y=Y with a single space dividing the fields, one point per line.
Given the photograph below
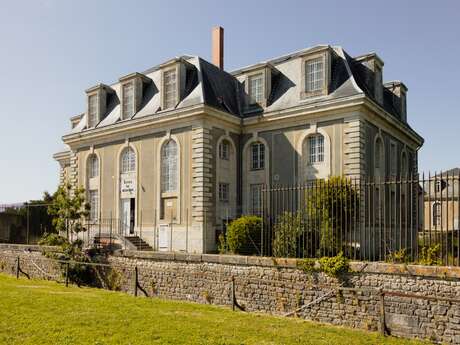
x=128 y=215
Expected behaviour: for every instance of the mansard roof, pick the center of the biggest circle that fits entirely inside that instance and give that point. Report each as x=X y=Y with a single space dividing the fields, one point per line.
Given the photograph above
x=225 y=91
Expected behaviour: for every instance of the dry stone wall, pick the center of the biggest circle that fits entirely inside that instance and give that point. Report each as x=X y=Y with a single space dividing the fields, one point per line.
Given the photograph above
x=278 y=287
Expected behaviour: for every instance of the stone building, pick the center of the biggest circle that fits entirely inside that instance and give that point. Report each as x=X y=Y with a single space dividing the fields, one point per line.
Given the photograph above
x=180 y=148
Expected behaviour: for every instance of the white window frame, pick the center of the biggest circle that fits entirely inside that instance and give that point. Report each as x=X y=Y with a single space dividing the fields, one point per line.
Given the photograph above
x=257 y=156
x=224 y=150
x=170 y=88
x=93 y=197
x=256 y=91
x=169 y=166
x=314 y=75
x=128 y=161
x=128 y=100
x=436 y=214
x=224 y=191
x=93 y=110
x=93 y=166
x=255 y=191
x=315 y=149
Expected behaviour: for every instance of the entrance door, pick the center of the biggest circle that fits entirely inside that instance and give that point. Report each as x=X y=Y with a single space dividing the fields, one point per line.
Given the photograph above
x=163 y=237
x=125 y=216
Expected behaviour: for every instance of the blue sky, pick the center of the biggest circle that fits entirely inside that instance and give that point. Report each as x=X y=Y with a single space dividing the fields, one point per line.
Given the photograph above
x=52 y=50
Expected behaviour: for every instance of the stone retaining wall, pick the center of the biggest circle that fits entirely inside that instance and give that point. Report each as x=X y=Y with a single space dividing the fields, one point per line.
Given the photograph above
x=277 y=287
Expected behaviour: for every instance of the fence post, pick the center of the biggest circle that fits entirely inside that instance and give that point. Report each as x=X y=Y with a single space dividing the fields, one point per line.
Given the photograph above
x=233 y=293
x=28 y=223
x=110 y=236
x=135 y=281
x=382 y=312
x=67 y=274
x=17 y=268
x=186 y=231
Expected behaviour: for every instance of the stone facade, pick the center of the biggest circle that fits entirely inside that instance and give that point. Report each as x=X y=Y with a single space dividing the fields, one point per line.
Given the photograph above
x=349 y=109
x=278 y=287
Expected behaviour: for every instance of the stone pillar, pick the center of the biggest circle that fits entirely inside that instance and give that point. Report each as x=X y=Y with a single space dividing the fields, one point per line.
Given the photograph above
x=202 y=186
x=353 y=150
x=73 y=175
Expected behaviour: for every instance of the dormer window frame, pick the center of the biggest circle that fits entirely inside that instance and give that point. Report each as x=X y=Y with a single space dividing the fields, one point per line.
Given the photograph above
x=167 y=69
x=266 y=71
x=100 y=91
x=91 y=96
x=138 y=81
x=125 y=116
x=325 y=57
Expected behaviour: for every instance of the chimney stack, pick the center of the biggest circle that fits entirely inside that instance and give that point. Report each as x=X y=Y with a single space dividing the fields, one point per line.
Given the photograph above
x=218 y=46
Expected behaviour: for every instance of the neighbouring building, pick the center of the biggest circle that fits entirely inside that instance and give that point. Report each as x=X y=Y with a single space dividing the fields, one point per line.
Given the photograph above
x=177 y=150
x=441 y=203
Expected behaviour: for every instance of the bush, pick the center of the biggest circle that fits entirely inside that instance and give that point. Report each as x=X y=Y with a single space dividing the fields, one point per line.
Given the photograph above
x=429 y=256
x=334 y=266
x=243 y=234
x=287 y=232
x=52 y=240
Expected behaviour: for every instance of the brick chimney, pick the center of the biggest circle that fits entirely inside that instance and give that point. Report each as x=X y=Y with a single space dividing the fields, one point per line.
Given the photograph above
x=218 y=46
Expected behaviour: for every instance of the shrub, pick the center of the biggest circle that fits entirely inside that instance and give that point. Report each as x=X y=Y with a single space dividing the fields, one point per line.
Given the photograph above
x=334 y=266
x=242 y=234
x=307 y=265
x=429 y=256
x=52 y=240
x=287 y=232
x=398 y=257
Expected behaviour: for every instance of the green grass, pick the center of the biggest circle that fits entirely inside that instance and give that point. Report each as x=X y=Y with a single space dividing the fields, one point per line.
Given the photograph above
x=40 y=312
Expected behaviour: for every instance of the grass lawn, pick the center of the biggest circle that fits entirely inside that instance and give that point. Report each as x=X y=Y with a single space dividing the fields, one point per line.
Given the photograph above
x=40 y=312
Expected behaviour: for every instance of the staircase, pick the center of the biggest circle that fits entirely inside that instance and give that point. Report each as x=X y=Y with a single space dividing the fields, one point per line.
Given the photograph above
x=139 y=243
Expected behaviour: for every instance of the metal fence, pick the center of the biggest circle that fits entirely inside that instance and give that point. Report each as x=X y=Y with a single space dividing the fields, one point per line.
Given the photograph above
x=24 y=223
x=397 y=219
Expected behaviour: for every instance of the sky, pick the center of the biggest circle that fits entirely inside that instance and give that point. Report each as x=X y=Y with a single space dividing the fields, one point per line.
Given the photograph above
x=53 y=50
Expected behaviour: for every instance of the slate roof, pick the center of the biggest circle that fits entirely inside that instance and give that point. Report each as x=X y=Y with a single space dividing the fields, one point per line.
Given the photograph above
x=207 y=84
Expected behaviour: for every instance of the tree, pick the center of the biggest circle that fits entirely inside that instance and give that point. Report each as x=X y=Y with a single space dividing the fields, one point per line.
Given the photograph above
x=68 y=207
x=333 y=206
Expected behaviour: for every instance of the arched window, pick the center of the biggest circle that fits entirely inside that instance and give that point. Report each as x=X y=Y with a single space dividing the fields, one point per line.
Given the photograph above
x=378 y=153
x=258 y=156
x=128 y=161
x=169 y=167
x=404 y=166
x=315 y=149
x=437 y=214
x=93 y=166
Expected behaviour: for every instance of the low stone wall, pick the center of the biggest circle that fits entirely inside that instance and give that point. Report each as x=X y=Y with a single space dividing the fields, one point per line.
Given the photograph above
x=278 y=287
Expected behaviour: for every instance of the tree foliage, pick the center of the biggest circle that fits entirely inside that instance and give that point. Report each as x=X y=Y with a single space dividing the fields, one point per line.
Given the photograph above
x=68 y=208
x=243 y=234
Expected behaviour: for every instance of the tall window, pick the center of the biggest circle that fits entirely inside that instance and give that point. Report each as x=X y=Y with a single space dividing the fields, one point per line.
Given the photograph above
x=170 y=88
x=404 y=166
x=128 y=100
x=316 y=149
x=128 y=161
x=94 y=204
x=314 y=75
x=393 y=159
x=256 y=88
x=378 y=156
x=224 y=150
x=93 y=166
x=258 y=156
x=256 y=198
x=223 y=192
x=169 y=167
x=92 y=111
x=437 y=214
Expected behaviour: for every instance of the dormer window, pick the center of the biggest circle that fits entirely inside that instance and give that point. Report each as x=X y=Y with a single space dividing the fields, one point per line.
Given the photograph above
x=93 y=117
x=314 y=78
x=256 y=88
x=316 y=74
x=128 y=100
x=170 y=90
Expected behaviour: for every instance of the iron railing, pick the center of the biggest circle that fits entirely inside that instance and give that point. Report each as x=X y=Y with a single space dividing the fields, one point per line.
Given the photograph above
x=396 y=219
